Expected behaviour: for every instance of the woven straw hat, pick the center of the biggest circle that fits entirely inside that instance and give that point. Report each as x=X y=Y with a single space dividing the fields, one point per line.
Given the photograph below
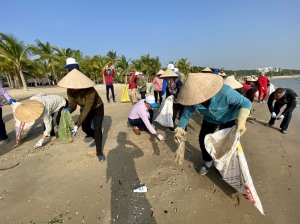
x=29 y=110
x=207 y=69
x=251 y=79
x=160 y=72
x=168 y=74
x=232 y=82
x=199 y=87
x=75 y=80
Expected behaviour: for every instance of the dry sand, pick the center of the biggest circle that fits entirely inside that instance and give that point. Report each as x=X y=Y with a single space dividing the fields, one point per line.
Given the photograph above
x=66 y=181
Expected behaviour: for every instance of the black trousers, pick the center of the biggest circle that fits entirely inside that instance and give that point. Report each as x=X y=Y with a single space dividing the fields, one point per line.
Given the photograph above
x=3 y=134
x=143 y=94
x=112 y=91
x=287 y=118
x=95 y=115
x=156 y=94
x=177 y=108
x=208 y=128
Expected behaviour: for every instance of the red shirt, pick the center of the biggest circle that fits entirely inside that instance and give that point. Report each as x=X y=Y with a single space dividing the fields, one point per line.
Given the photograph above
x=109 y=77
x=132 y=82
x=262 y=81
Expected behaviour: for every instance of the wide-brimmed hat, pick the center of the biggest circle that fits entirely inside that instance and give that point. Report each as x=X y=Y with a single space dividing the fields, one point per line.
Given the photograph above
x=29 y=110
x=70 y=61
x=160 y=72
x=207 y=69
x=232 y=82
x=168 y=74
x=251 y=79
x=199 y=87
x=75 y=80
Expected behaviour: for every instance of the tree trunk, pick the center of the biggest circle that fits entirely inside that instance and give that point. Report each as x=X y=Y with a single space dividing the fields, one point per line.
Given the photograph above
x=54 y=74
x=23 y=80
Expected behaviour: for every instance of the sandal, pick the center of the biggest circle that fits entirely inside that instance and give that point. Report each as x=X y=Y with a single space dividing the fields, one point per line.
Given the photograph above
x=204 y=169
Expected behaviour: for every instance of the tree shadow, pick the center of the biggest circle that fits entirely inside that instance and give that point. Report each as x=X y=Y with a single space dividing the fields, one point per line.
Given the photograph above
x=126 y=206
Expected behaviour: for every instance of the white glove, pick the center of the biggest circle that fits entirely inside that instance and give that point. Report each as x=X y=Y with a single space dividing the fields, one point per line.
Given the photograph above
x=274 y=115
x=74 y=130
x=160 y=137
x=280 y=117
x=39 y=143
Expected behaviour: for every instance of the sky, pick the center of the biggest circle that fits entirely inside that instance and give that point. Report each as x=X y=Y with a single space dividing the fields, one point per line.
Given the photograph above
x=229 y=34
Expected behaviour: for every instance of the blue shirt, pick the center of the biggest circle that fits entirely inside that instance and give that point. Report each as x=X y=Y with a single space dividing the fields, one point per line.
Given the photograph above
x=223 y=107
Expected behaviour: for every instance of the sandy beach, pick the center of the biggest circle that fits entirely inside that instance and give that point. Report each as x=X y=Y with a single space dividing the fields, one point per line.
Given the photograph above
x=66 y=183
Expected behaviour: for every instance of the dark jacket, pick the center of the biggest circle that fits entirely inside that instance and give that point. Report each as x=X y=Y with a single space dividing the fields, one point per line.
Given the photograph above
x=87 y=98
x=290 y=99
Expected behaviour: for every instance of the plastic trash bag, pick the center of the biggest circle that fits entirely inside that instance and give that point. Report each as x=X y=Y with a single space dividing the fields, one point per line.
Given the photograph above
x=21 y=128
x=227 y=152
x=165 y=117
x=66 y=123
x=271 y=89
x=150 y=89
x=179 y=155
x=125 y=96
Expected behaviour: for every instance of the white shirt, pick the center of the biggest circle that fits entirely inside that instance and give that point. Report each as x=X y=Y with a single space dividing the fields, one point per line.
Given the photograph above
x=52 y=104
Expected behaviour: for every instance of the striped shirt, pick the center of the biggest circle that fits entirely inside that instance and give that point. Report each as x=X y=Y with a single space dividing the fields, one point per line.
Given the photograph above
x=52 y=104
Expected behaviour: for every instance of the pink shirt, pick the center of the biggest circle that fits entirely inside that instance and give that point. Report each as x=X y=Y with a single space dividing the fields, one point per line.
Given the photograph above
x=140 y=110
x=157 y=84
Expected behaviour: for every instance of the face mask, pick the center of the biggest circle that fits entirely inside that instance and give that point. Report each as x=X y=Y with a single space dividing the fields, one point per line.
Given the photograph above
x=108 y=72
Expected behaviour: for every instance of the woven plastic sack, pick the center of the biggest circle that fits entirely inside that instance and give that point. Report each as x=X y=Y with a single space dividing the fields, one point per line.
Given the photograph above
x=125 y=96
x=21 y=128
x=66 y=123
x=227 y=152
x=165 y=117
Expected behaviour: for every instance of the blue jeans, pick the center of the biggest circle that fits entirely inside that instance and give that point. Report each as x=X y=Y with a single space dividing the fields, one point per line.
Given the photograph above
x=140 y=123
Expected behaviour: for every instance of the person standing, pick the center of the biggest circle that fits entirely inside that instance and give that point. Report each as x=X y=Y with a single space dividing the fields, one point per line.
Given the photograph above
x=142 y=84
x=250 y=88
x=10 y=100
x=262 y=87
x=81 y=92
x=221 y=107
x=133 y=86
x=109 y=74
x=174 y=85
x=157 y=86
x=282 y=96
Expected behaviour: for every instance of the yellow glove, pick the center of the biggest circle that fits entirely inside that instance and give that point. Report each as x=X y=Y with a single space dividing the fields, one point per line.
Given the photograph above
x=179 y=135
x=241 y=120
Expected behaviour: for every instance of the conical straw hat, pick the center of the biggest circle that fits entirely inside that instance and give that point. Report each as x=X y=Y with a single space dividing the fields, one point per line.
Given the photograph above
x=168 y=74
x=207 y=69
x=199 y=87
x=75 y=80
x=232 y=82
x=160 y=72
x=251 y=79
x=29 y=110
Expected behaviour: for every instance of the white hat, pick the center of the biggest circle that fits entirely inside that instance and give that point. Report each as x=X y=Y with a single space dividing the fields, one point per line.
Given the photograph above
x=176 y=70
x=170 y=66
x=151 y=100
x=70 y=61
x=137 y=73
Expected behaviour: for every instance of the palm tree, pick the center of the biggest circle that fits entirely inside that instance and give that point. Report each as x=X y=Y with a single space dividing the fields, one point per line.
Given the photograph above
x=16 y=52
x=112 y=56
x=155 y=66
x=46 y=53
x=122 y=65
x=183 y=65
